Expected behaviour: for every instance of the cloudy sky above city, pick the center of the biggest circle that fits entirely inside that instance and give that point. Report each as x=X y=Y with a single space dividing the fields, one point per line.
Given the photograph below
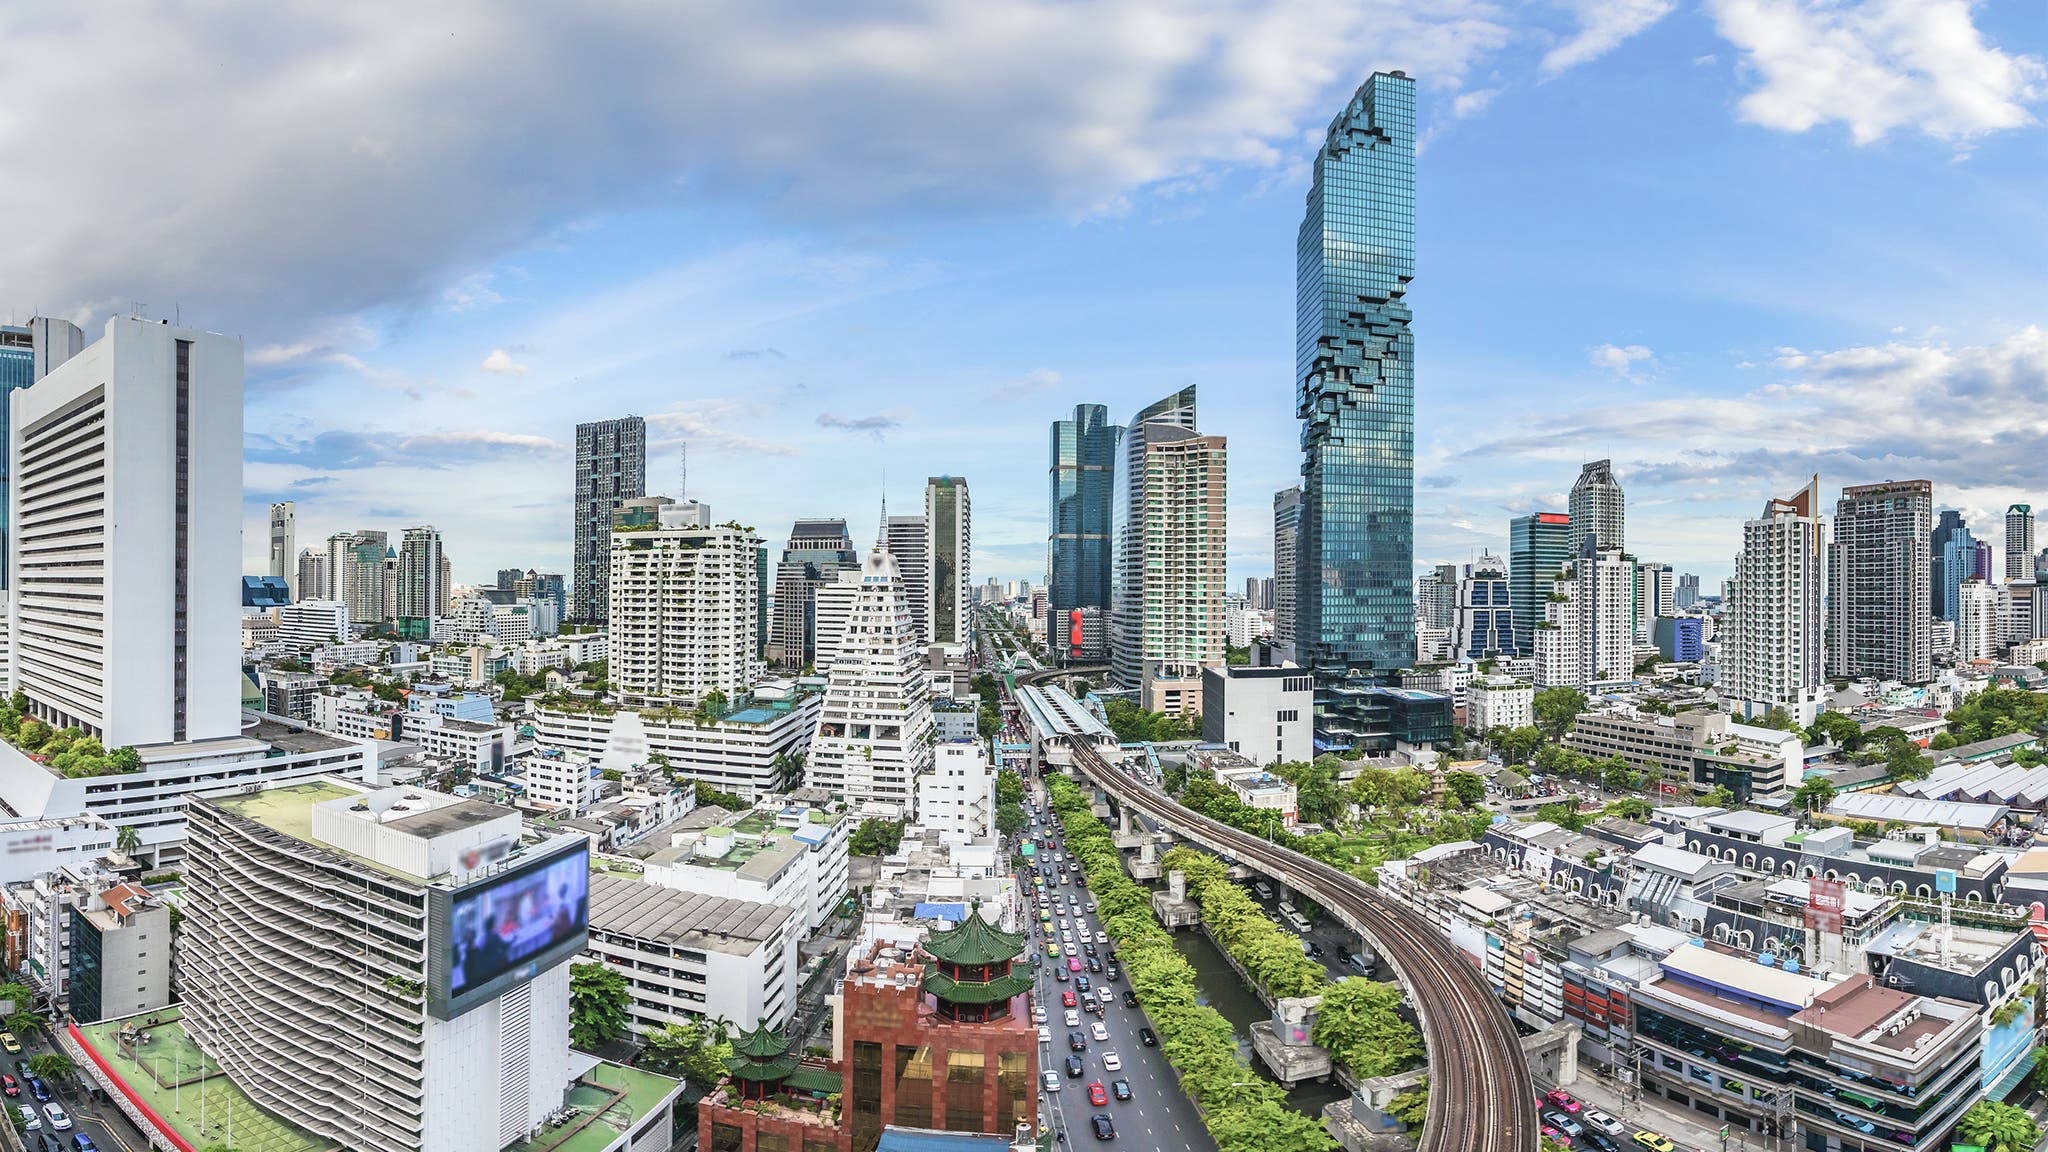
x=1726 y=244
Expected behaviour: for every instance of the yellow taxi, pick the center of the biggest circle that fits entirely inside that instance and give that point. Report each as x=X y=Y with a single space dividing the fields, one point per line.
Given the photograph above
x=8 y=1042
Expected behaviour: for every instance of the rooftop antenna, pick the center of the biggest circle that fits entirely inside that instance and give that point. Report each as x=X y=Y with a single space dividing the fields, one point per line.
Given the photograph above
x=882 y=526
x=682 y=471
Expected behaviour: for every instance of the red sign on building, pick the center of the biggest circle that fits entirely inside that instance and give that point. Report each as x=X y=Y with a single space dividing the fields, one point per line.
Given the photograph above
x=1824 y=902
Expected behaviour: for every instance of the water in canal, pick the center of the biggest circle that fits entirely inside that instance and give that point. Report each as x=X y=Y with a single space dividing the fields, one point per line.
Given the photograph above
x=1219 y=987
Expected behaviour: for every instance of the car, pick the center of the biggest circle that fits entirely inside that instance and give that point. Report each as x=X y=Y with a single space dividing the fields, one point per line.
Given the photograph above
x=1598 y=1142
x=1602 y=1122
x=1099 y=1031
x=1064 y=926
x=1081 y=982
x=1097 y=1094
x=1315 y=950
x=38 y=1089
x=1059 y=974
x=1052 y=1081
x=1111 y=973
x=1652 y=1141
x=1087 y=949
x=1052 y=949
x=1091 y=903
x=1122 y=1089
x=1073 y=1017
x=1563 y=1100
x=1112 y=1061
x=1076 y=1042
x=8 y=1042
x=1073 y=1067
x=1105 y=1128
x=10 y=1085
x=1858 y=1124
x=1044 y=1034
x=1130 y=998
x=1094 y=965
x=1067 y=998
x=59 y=1118
x=1102 y=937
x=1148 y=1038
x=80 y=1142
x=1556 y=1137
x=1038 y=1013
x=1562 y=1120
x=1073 y=963
x=29 y=1119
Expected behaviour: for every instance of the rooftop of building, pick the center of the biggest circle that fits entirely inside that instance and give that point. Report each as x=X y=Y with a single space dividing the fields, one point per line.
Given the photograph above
x=1957 y=948
x=1863 y=1010
x=289 y=809
x=682 y=919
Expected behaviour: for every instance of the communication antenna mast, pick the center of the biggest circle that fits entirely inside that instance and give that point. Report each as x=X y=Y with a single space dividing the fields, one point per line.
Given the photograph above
x=682 y=471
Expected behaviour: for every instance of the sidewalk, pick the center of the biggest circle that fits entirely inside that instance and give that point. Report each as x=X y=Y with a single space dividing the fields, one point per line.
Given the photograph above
x=1691 y=1131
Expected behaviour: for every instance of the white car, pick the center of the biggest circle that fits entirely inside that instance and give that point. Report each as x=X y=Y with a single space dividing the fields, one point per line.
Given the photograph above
x=1595 y=1118
x=1111 y=1062
x=29 y=1119
x=1044 y=1034
x=1073 y=1017
x=1038 y=1013
x=1052 y=1081
x=1102 y=937
x=1064 y=926
x=1098 y=1031
x=59 y=1118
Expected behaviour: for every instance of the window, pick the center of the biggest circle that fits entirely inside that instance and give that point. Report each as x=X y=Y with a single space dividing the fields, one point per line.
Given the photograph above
x=963 y=1091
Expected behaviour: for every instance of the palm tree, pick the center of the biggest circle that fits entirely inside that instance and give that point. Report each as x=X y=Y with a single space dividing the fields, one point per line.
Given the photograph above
x=128 y=840
x=25 y=1023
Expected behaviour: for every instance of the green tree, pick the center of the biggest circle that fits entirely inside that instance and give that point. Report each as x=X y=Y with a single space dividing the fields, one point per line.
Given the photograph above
x=1629 y=808
x=1360 y=1023
x=1617 y=776
x=1905 y=762
x=1411 y=1107
x=34 y=734
x=1565 y=816
x=598 y=1005
x=876 y=837
x=1516 y=745
x=1814 y=794
x=16 y=993
x=1467 y=788
x=52 y=1066
x=1009 y=787
x=1557 y=708
x=1316 y=795
x=1010 y=819
x=25 y=1024
x=2000 y=1127
x=1718 y=797
x=128 y=840
x=689 y=1048
x=1835 y=728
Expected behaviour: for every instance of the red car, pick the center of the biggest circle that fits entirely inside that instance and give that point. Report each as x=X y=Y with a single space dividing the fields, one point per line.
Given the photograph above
x=1067 y=999
x=1097 y=1094
x=8 y=1086
x=1563 y=1099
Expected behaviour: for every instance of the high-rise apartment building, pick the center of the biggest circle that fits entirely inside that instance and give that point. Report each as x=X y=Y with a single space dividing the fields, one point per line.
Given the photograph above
x=1354 y=381
x=1656 y=595
x=1687 y=593
x=421 y=587
x=1977 y=628
x=1953 y=554
x=904 y=537
x=948 y=526
x=1485 y=611
x=818 y=550
x=1539 y=544
x=1127 y=530
x=2019 y=542
x=1771 y=636
x=127 y=465
x=611 y=465
x=355 y=573
x=1080 y=483
x=1286 y=545
x=312 y=577
x=683 y=612
x=1879 y=583
x=874 y=736
x=1587 y=639
x=1598 y=509
x=1184 y=548
x=284 y=550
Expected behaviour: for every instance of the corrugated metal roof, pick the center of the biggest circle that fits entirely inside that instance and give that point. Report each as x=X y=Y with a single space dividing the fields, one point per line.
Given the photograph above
x=684 y=919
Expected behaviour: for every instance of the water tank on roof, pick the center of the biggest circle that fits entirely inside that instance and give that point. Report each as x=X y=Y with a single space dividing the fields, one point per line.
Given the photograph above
x=1791 y=964
x=1766 y=959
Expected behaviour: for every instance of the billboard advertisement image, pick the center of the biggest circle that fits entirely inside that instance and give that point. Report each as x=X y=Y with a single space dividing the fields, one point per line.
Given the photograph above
x=505 y=929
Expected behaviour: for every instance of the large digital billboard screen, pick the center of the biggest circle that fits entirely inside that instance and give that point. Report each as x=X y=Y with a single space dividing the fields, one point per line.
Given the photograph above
x=505 y=929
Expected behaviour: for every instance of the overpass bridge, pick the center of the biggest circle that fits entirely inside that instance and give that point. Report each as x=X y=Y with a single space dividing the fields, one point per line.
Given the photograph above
x=1481 y=1095
x=1055 y=724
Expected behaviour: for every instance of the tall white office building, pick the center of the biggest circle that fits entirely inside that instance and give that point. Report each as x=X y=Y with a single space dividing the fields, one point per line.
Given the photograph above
x=948 y=565
x=139 y=434
x=1880 y=583
x=834 y=607
x=904 y=537
x=684 y=606
x=1184 y=547
x=422 y=591
x=1656 y=595
x=1771 y=646
x=2019 y=542
x=1977 y=630
x=874 y=735
x=305 y=625
x=1598 y=509
x=284 y=551
x=311 y=583
x=1587 y=637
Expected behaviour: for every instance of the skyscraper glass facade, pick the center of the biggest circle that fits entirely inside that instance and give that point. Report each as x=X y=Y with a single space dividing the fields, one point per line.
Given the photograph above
x=1538 y=545
x=1355 y=389
x=1127 y=532
x=1080 y=468
x=17 y=370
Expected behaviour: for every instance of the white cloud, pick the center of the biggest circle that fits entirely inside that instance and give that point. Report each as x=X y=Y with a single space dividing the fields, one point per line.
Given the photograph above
x=1877 y=67
x=370 y=154
x=501 y=363
x=1603 y=25
x=708 y=425
x=1620 y=359
x=1473 y=103
x=1033 y=382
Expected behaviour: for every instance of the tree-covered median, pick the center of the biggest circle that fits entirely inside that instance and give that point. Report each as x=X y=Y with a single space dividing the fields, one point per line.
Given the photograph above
x=1244 y=1111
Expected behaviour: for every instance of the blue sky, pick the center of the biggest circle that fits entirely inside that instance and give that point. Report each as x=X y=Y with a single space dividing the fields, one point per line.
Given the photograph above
x=1726 y=244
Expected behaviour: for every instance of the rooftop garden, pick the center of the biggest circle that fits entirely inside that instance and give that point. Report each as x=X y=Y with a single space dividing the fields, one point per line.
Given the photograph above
x=68 y=751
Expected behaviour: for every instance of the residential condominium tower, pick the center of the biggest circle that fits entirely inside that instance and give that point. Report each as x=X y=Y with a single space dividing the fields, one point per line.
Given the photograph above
x=1127 y=530
x=284 y=551
x=948 y=526
x=1354 y=380
x=1539 y=544
x=874 y=736
x=1185 y=550
x=1598 y=509
x=611 y=465
x=2019 y=542
x=1286 y=542
x=683 y=610
x=1080 y=479
x=126 y=503
x=422 y=587
x=1879 y=582
x=904 y=537
x=1771 y=646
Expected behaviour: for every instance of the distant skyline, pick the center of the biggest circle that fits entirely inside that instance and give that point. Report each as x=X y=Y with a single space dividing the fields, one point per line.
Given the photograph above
x=1726 y=245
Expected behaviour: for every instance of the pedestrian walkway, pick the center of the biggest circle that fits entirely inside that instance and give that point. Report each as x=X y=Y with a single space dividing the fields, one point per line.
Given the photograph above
x=1691 y=1131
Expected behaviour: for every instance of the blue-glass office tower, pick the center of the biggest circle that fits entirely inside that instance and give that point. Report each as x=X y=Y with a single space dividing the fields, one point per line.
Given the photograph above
x=1954 y=560
x=1538 y=546
x=26 y=355
x=1355 y=390
x=1080 y=472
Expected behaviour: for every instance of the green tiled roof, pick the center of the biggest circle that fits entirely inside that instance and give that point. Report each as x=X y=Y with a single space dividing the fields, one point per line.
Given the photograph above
x=978 y=992
x=974 y=942
x=810 y=1079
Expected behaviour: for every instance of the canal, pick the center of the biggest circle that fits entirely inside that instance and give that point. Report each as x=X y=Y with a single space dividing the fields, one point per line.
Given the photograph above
x=1218 y=986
